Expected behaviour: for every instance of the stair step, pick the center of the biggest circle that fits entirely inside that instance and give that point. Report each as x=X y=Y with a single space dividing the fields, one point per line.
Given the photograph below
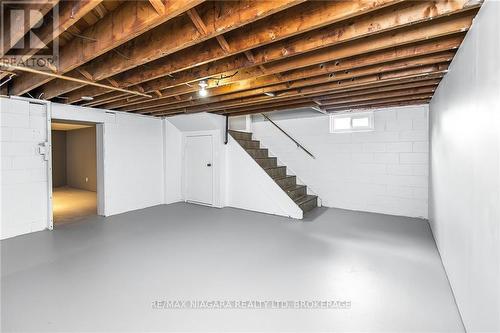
x=267 y=162
x=276 y=172
x=286 y=182
x=249 y=144
x=307 y=202
x=297 y=191
x=240 y=135
x=258 y=153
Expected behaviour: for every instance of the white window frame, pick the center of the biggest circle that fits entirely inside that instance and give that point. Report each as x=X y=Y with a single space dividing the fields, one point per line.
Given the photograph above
x=352 y=116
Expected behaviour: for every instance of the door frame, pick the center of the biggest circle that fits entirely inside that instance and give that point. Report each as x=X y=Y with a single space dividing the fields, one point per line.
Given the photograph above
x=100 y=152
x=217 y=166
x=185 y=166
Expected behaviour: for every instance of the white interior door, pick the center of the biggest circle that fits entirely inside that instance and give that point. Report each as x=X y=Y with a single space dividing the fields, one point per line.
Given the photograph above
x=25 y=199
x=198 y=169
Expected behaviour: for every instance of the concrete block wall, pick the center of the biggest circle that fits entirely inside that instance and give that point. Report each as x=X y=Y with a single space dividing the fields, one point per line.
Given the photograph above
x=127 y=184
x=23 y=174
x=382 y=171
x=133 y=156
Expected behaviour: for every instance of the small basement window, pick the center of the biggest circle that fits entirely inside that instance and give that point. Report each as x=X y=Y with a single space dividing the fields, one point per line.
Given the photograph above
x=351 y=122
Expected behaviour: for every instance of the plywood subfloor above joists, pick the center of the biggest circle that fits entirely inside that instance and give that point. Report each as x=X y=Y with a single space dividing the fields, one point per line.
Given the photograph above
x=149 y=57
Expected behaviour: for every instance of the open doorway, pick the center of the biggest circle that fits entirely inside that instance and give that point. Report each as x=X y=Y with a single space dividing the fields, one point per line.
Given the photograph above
x=74 y=171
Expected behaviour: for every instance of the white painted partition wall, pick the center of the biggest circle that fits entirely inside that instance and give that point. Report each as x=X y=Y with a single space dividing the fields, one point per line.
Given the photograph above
x=133 y=162
x=465 y=172
x=24 y=196
x=133 y=156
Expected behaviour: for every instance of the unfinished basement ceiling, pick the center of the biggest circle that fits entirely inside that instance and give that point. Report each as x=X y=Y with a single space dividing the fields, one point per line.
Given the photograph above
x=253 y=56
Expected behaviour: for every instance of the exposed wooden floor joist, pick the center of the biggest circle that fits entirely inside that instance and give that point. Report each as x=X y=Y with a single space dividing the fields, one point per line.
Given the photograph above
x=255 y=56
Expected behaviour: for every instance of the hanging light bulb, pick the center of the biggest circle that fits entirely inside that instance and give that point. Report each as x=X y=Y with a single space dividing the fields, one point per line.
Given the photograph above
x=203 y=92
x=203 y=88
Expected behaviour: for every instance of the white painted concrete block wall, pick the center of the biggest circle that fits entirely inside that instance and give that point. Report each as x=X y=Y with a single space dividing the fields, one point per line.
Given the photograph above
x=133 y=156
x=465 y=172
x=133 y=162
x=23 y=201
x=382 y=171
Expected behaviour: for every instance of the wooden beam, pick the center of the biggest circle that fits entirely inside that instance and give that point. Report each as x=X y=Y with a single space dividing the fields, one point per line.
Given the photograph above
x=343 y=93
x=380 y=21
x=386 y=43
x=337 y=70
x=340 y=34
x=85 y=74
x=292 y=67
x=369 y=87
x=330 y=87
x=189 y=98
x=378 y=105
x=272 y=108
x=393 y=92
x=333 y=102
x=158 y=5
x=393 y=52
x=177 y=35
x=100 y=10
x=271 y=105
x=368 y=80
x=370 y=106
x=424 y=96
x=257 y=105
x=378 y=88
x=299 y=19
x=113 y=82
x=197 y=21
x=69 y=13
x=272 y=84
x=348 y=90
x=249 y=55
x=305 y=102
x=223 y=43
x=121 y=25
x=62 y=77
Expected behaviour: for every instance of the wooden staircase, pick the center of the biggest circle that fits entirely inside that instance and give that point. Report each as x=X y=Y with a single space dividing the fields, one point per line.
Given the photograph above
x=288 y=183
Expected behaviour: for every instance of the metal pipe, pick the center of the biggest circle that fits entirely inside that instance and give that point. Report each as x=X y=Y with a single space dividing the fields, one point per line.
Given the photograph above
x=227 y=129
x=8 y=79
x=68 y=78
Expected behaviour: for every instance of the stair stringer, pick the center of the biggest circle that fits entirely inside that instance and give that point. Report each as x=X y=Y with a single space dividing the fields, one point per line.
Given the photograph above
x=249 y=187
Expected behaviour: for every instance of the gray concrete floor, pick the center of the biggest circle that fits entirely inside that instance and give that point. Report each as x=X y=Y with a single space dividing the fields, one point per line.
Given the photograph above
x=71 y=204
x=103 y=274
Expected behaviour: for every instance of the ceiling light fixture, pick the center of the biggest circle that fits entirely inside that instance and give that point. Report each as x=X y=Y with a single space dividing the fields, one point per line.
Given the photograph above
x=203 y=92
x=203 y=88
x=87 y=98
x=270 y=94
